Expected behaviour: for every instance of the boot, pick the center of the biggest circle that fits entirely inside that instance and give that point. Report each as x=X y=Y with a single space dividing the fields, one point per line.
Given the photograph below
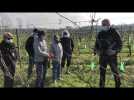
x=67 y=70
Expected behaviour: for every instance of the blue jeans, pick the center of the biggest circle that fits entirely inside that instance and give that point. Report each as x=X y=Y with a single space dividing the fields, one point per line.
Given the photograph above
x=56 y=70
x=41 y=70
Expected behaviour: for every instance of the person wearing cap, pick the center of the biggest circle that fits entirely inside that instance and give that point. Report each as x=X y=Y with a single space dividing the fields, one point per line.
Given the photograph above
x=30 y=51
x=10 y=56
x=108 y=44
x=68 y=45
x=41 y=56
x=57 y=52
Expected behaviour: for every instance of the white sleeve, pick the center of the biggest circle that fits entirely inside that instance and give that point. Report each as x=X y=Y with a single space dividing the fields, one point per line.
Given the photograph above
x=38 y=49
x=45 y=53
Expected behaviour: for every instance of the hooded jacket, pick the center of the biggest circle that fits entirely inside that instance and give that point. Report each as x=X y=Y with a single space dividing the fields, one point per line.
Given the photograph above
x=40 y=49
x=56 y=50
x=67 y=43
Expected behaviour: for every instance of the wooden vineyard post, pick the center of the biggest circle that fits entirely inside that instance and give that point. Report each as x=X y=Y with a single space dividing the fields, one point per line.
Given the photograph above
x=18 y=46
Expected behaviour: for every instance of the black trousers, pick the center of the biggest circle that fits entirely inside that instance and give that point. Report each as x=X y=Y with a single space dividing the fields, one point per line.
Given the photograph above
x=112 y=61
x=65 y=57
x=31 y=65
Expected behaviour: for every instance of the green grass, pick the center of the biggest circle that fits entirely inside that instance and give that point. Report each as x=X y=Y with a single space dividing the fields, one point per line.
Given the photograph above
x=81 y=76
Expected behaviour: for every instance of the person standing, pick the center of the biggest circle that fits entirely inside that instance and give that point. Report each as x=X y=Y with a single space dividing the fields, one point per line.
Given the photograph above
x=10 y=56
x=41 y=56
x=108 y=44
x=30 y=50
x=56 y=53
x=68 y=46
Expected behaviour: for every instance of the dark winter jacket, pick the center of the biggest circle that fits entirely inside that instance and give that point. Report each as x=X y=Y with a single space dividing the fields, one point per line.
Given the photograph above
x=106 y=39
x=29 y=46
x=67 y=44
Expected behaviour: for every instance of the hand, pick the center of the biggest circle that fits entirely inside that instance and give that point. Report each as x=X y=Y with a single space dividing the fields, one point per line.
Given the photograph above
x=93 y=54
x=50 y=55
x=72 y=50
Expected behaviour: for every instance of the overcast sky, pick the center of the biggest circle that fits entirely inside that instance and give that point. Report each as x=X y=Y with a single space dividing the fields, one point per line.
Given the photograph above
x=52 y=20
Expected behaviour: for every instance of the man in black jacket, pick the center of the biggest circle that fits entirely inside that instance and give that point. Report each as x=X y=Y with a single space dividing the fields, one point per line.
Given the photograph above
x=68 y=45
x=9 y=58
x=30 y=51
x=108 y=45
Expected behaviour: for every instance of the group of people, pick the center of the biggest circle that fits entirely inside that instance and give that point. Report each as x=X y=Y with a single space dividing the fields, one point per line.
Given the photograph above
x=60 y=50
x=108 y=44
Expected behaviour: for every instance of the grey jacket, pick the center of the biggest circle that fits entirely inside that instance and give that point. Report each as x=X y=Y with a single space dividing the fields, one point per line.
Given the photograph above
x=57 y=51
x=40 y=50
